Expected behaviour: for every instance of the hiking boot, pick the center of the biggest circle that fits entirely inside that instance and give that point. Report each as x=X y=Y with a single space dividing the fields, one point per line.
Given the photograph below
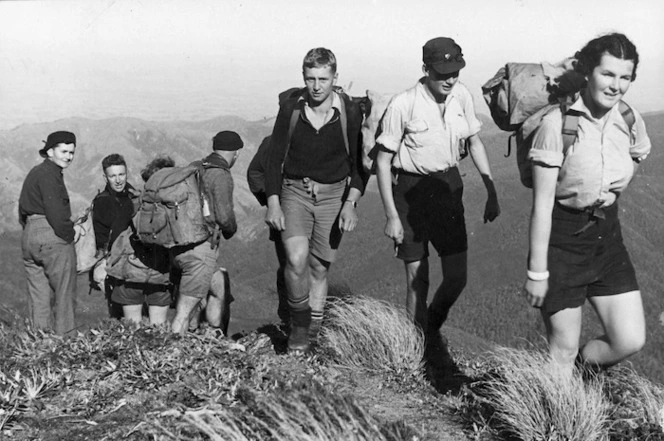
x=298 y=340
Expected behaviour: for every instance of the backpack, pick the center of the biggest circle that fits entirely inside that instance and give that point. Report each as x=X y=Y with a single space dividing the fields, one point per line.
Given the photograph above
x=84 y=242
x=256 y=169
x=132 y=261
x=520 y=95
x=171 y=208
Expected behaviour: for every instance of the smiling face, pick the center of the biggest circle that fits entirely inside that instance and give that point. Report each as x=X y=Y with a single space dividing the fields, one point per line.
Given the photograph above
x=607 y=84
x=62 y=154
x=440 y=85
x=116 y=177
x=320 y=82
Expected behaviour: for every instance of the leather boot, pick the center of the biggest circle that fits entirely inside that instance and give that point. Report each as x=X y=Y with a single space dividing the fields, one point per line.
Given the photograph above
x=298 y=340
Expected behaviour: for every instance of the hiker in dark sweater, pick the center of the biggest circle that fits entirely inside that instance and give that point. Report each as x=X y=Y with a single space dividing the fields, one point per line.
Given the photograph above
x=576 y=246
x=112 y=214
x=112 y=211
x=313 y=182
x=47 y=243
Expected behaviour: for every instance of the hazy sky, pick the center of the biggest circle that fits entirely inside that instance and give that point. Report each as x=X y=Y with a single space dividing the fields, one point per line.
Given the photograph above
x=183 y=59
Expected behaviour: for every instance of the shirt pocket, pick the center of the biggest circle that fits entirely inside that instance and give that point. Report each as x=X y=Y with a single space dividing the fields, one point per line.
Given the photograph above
x=416 y=133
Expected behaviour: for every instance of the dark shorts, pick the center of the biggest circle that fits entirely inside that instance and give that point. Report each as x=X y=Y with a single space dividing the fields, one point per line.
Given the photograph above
x=431 y=210
x=127 y=293
x=589 y=264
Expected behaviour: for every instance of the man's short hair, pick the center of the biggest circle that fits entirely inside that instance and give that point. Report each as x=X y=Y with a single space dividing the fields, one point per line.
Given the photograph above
x=319 y=57
x=111 y=160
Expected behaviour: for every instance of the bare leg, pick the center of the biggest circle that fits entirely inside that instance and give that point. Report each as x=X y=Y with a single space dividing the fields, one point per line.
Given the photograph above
x=563 y=331
x=417 y=289
x=158 y=314
x=455 y=275
x=218 y=310
x=133 y=313
x=624 y=329
x=318 y=271
x=186 y=305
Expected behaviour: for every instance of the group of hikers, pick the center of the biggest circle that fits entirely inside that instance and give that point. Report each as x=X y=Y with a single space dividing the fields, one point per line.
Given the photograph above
x=310 y=175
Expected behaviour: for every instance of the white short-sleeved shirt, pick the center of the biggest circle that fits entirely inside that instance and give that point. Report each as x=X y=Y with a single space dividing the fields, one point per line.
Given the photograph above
x=599 y=161
x=424 y=140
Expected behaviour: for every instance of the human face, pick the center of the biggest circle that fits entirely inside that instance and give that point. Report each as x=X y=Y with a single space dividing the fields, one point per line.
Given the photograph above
x=61 y=154
x=607 y=84
x=116 y=177
x=320 y=82
x=440 y=85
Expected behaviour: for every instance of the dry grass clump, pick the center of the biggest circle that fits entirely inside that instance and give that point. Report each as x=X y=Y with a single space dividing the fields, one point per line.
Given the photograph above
x=528 y=397
x=637 y=405
x=368 y=334
x=304 y=413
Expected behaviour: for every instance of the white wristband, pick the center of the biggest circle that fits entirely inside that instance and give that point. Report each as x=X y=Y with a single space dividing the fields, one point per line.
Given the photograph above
x=538 y=277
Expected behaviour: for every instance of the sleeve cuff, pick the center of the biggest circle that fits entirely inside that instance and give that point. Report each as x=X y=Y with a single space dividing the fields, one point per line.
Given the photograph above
x=546 y=157
x=390 y=143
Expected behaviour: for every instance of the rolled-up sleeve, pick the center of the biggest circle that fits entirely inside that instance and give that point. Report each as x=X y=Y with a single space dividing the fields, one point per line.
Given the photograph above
x=392 y=124
x=547 y=146
x=642 y=145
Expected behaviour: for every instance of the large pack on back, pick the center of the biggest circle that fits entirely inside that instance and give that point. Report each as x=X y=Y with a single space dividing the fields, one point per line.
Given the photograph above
x=171 y=208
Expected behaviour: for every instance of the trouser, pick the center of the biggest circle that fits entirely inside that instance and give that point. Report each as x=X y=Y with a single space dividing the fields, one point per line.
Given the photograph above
x=50 y=267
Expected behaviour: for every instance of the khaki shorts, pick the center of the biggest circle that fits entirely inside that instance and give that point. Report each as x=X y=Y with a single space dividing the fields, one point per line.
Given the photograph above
x=313 y=214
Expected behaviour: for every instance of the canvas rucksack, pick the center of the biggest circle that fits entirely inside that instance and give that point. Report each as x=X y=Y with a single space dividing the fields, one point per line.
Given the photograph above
x=132 y=261
x=172 y=205
x=521 y=94
x=84 y=242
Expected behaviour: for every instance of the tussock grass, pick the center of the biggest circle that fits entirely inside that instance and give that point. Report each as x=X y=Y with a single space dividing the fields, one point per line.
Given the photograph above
x=530 y=398
x=637 y=405
x=368 y=334
x=305 y=414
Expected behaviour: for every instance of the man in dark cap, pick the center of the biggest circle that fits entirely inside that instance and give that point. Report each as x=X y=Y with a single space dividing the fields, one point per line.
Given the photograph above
x=49 y=256
x=425 y=131
x=198 y=262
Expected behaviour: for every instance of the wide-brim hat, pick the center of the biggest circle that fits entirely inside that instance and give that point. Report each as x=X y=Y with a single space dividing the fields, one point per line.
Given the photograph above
x=443 y=55
x=55 y=138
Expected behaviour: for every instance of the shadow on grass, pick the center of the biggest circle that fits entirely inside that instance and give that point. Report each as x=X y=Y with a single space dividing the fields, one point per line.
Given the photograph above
x=278 y=337
x=441 y=370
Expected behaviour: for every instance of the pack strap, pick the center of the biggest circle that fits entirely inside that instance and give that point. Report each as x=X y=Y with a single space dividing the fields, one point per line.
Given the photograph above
x=344 y=123
x=295 y=116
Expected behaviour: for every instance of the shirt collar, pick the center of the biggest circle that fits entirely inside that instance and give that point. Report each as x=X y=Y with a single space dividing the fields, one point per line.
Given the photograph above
x=336 y=101
x=52 y=165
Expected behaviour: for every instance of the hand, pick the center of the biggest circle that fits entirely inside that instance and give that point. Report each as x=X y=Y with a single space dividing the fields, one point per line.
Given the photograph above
x=491 y=209
x=394 y=230
x=348 y=217
x=275 y=217
x=535 y=291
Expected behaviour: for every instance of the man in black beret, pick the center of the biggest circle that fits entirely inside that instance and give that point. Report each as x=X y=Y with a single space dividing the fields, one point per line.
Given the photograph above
x=49 y=256
x=198 y=262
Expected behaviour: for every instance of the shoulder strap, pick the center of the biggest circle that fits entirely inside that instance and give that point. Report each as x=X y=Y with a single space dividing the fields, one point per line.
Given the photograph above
x=291 y=128
x=628 y=115
x=344 y=122
x=571 y=124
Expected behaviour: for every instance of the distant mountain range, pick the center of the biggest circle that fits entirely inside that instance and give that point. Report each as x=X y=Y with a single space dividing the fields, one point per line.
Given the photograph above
x=138 y=141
